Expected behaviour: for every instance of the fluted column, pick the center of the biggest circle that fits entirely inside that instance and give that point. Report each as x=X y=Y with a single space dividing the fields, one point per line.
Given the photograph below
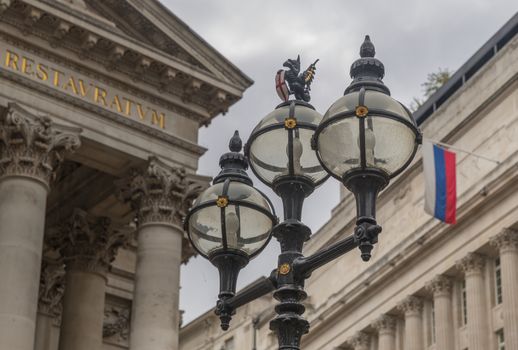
x=52 y=286
x=473 y=267
x=386 y=327
x=31 y=148
x=360 y=341
x=507 y=243
x=440 y=286
x=88 y=245
x=412 y=307
x=160 y=196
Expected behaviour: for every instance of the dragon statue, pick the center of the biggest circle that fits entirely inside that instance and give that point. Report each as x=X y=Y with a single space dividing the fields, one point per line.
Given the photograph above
x=293 y=82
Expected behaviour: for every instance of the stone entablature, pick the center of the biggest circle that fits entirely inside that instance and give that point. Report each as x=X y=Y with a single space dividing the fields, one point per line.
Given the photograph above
x=82 y=87
x=94 y=40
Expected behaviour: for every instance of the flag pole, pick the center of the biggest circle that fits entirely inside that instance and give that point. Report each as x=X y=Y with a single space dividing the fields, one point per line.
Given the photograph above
x=445 y=145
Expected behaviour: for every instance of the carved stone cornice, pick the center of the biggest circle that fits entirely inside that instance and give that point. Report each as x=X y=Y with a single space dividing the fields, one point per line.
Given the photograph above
x=159 y=194
x=385 y=324
x=505 y=241
x=116 y=324
x=471 y=263
x=360 y=341
x=52 y=287
x=96 y=44
x=440 y=286
x=88 y=243
x=33 y=146
x=411 y=306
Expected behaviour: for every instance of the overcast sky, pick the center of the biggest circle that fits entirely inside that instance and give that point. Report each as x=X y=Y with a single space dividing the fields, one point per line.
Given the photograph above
x=412 y=39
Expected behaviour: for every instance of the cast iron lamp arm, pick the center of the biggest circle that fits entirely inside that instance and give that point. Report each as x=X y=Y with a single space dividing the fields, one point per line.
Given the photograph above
x=260 y=287
x=225 y=308
x=366 y=234
x=304 y=266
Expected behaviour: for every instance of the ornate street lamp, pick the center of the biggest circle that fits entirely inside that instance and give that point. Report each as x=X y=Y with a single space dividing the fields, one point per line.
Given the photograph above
x=365 y=139
x=230 y=222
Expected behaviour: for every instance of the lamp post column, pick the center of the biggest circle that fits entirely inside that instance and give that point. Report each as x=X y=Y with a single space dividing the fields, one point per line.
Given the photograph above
x=88 y=245
x=473 y=267
x=440 y=286
x=507 y=243
x=412 y=307
x=160 y=195
x=386 y=326
x=31 y=148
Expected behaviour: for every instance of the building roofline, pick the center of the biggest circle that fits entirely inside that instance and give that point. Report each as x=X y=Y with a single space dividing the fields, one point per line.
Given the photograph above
x=247 y=80
x=468 y=69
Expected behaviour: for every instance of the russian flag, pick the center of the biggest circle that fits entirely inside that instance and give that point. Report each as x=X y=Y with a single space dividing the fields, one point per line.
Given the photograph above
x=440 y=182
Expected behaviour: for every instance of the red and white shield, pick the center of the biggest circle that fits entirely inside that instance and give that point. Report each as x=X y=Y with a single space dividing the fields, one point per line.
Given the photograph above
x=281 y=86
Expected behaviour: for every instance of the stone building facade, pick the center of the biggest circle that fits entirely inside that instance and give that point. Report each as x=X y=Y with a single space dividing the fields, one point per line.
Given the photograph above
x=100 y=106
x=429 y=285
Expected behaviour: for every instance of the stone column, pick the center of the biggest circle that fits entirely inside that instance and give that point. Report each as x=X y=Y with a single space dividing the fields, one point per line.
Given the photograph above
x=507 y=243
x=412 y=307
x=31 y=148
x=386 y=326
x=473 y=267
x=360 y=341
x=440 y=286
x=88 y=245
x=160 y=196
x=52 y=286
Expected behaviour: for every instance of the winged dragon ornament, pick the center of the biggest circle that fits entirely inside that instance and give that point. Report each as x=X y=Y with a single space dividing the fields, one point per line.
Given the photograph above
x=294 y=82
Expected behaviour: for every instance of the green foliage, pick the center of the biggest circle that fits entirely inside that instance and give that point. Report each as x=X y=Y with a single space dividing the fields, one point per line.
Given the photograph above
x=433 y=82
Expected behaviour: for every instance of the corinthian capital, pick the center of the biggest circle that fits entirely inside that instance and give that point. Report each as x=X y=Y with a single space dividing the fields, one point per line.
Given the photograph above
x=471 y=263
x=33 y=145
x=506 y=240
x=52 y=287
x=360 y=341
x=160 y=193
x=440 y=286
x=88 y=243
x=411 y=305
x=385 y=324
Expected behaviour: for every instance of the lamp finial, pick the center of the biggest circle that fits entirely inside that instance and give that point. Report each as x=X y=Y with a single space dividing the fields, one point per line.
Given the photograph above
x=367 y=49
x=235 y=144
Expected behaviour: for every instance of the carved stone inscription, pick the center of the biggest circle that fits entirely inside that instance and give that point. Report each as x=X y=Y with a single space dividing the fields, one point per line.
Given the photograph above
x=78 y=85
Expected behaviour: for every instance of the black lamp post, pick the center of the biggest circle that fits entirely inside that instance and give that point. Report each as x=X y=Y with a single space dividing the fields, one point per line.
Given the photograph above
x=364 y=139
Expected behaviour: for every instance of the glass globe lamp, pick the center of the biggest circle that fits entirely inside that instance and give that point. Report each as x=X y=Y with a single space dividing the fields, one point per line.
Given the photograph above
x=280 y=154
x=280 y=145
x=366 y=137
x=367 y=129
x=231 y=221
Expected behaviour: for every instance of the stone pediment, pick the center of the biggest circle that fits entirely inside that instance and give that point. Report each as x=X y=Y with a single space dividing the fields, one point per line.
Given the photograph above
x=127 y=18
x=139 y=38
